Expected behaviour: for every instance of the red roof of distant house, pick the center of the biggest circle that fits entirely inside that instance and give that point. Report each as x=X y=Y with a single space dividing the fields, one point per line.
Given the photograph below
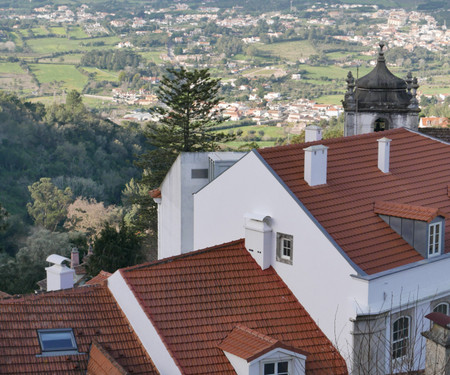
x=99 y=279
x=441 y=122
x=196 y=300
x=155 y=193
x=91 y=312
x=419 y=176
x=4 y=295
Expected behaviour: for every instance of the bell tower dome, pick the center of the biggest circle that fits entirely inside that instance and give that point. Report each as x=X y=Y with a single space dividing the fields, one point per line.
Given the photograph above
x=380 y=101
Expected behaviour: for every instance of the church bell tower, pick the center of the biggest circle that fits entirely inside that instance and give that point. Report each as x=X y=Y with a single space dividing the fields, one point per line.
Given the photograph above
x=380 y=101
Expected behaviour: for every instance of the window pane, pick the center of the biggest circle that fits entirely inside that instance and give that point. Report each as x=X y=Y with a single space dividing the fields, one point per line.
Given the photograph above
x=282 y=368
x=400 y=336
x=441 y=308
x=57 y=340
x=269 y=368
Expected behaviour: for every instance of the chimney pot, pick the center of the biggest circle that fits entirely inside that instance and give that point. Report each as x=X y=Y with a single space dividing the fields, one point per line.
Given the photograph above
x=59 y=276
x=316 y=165
x=313 y=133
x=384 y=154
x=74 y=258
x=258 y=239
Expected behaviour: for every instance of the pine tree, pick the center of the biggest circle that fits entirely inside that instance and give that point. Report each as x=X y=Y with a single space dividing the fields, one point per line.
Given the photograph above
x=188 y=112
x=187 y=116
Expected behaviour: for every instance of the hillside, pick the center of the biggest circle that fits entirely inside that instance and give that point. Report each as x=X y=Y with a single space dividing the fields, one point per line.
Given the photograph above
x=93 y=157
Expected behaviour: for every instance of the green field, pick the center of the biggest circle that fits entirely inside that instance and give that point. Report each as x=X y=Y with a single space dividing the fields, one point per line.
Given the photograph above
x=330 y=99
x=291 y=51
x=103 y=74
x=77 y=32
x=10 y=68
x=235 y=145
x=51 y=45
x=39 y=31
x=153 y=56
x=59 y=30
x=69 y=77
x=269 y=131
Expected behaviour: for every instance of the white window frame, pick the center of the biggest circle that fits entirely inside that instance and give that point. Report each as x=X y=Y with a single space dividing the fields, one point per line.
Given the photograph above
x=400 y=343
x=434 y=239
x=442 y=306
x=276 y=362
x=282 y=241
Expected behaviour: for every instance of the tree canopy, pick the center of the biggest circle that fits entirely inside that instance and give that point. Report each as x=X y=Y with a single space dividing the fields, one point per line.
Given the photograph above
x=188 y=112
x=114 y=249
x=49 y=205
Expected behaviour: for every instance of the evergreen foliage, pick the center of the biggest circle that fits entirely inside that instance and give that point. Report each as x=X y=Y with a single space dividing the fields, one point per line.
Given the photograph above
x=49 y=205
x=111 y=59
x=66 y=143
x=188 y=115
x=114 y=249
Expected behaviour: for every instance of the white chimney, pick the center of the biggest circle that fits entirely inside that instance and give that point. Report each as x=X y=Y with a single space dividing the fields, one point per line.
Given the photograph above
x=258 y=239
x=74 y=258
x=313 y=133
x=316 y=165
x=384 y=146
x=59 y=276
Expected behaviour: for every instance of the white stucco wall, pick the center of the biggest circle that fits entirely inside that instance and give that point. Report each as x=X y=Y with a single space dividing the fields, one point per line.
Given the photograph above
x=169 y=214
x=142 y=325
x=426 y=280
x=319 y=276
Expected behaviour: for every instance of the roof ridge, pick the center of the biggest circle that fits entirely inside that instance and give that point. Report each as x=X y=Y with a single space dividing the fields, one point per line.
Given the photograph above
x=181 y=256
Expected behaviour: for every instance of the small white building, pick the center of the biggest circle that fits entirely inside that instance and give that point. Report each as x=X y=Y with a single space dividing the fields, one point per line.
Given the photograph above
x=190 y=172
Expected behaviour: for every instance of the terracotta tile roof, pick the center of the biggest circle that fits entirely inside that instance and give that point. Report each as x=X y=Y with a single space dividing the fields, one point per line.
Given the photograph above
x=249 y=344
x=406 y=211
x=155 y=193
x=440 y=133
x=419 y=175
x=4 y=295
x=101 y=362
x=91 y=312
x=195 y=300
x=99 y=279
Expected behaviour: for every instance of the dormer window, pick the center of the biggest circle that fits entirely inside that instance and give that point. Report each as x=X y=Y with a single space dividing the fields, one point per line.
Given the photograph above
x=422 y=227
x=434 y=239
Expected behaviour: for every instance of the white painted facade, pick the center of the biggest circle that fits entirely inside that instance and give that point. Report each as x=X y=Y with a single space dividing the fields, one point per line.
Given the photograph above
x=142 y=325
x=322 y=278
x=297 y=362
x=190 y=172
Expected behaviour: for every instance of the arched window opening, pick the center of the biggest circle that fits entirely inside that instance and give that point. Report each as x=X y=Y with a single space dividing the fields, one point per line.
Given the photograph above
x=442 y=308
x=400 y=337
x=380 y=125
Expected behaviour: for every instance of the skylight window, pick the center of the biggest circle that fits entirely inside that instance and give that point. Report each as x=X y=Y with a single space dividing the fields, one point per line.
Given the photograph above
x=57 y=341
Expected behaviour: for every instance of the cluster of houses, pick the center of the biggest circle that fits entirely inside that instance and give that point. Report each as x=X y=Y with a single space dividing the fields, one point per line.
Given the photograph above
x=328 y=257
x=300 y=112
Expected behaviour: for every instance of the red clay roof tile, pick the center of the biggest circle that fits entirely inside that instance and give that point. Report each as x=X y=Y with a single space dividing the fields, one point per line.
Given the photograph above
x=90 y=311
x=195 y=300
x=102 y=363
x=419 y=176
x=99 y=279
x=249 y=344
x=406 y=211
